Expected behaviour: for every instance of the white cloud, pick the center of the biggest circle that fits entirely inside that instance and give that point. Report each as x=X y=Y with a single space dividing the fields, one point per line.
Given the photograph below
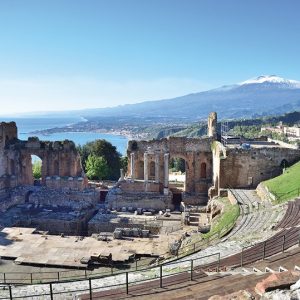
x=26 y=95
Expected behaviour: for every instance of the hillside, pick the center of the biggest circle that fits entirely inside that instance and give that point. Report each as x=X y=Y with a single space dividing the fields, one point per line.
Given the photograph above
x=246 y=127
x=287 y=185
x=264 y=95
x=251 y=100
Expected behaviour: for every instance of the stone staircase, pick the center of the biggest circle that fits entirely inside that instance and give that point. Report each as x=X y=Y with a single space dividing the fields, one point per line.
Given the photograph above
x=194 y=219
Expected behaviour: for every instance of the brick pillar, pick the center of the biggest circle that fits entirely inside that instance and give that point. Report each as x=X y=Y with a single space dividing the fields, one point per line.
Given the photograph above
x=166 y=173
x=146 y=173
x=157 y=168
x=132 y=165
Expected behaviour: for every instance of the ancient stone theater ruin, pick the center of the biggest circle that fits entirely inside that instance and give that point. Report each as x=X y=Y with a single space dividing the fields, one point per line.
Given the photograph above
x=209 y=164
x=150 y=200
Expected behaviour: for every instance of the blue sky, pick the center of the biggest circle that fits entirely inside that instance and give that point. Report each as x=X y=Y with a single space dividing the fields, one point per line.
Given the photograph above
x=67 y=54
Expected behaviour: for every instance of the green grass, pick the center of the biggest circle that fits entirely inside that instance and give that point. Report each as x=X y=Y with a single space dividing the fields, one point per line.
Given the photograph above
x=228 y=217
x=285 y=186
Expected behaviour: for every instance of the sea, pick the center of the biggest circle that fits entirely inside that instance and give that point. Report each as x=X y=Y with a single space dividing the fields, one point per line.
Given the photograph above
x=28 y=125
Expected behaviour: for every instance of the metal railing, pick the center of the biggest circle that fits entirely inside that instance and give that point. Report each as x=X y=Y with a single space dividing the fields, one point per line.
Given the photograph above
x=162 y=275
x=281 y=196
x=159 y=276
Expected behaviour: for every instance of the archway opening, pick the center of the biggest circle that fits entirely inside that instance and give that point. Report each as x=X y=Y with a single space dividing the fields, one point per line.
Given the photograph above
x=284 y=164
x=36 y=164
x=140 y=170
x=203 y=170
x=152 y=170
x=177 y=179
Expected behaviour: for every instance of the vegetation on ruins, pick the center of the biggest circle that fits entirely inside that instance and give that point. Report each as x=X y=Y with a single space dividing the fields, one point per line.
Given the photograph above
x=37 y=169
x=285 y=186
x=228 y=216
x=108 y=154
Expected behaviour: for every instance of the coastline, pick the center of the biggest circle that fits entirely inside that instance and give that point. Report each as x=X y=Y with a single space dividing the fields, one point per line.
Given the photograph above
x=122 y=133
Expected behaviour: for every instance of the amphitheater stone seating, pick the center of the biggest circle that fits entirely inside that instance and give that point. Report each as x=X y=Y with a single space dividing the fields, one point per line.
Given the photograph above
x=292 y=215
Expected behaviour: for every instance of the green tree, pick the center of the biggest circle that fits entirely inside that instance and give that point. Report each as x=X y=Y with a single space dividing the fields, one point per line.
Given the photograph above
x=37 y=169
x=102 y=148
x=177 y=164
x=96 y=167
x=124 y=163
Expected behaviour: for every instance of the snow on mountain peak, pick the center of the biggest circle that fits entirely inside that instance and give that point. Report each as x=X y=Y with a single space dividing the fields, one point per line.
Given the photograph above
x=272 y=79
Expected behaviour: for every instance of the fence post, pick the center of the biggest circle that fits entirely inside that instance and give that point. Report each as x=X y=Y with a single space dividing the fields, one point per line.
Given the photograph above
x=90 y=288
x=10 y=292
x=219 y=262
x=57 y=276
x=192 y=267
x=242 y=254
x=136 y=265
x=160 y=276
x=85 y=273
x=4 y=278
x=51 y=292
x=31 y=280
x=127 y=288
x=283 y=243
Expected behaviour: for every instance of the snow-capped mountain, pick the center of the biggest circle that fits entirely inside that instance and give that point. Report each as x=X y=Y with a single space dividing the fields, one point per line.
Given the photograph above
x=272 y=79
x=264 y=95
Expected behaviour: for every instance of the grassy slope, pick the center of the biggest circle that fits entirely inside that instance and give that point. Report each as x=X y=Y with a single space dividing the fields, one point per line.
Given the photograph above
x=229 y=215
x=287 y=185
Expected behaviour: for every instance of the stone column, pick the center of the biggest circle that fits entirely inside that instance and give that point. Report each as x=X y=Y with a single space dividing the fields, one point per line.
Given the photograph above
x=166 y=171
x=157 y=168
x=212 y=125
x=132 y=165
x=146 y=173
x=121 y=175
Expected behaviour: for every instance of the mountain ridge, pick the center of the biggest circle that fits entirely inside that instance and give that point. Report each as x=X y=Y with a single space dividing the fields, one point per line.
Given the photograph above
x=265 y=94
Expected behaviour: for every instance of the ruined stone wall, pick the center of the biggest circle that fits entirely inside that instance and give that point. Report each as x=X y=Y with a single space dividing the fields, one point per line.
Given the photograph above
x=66 y=183
x=8 y=133
x=240 y=168
x=58 y=159
x=97 y=227
x=140 y=186
x=195 y=151
x=116 y=199
x=11 y=197
x=75 y=199
x=57 y=226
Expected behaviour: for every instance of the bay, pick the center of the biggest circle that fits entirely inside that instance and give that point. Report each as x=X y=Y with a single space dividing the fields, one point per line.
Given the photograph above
x=28 y=125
